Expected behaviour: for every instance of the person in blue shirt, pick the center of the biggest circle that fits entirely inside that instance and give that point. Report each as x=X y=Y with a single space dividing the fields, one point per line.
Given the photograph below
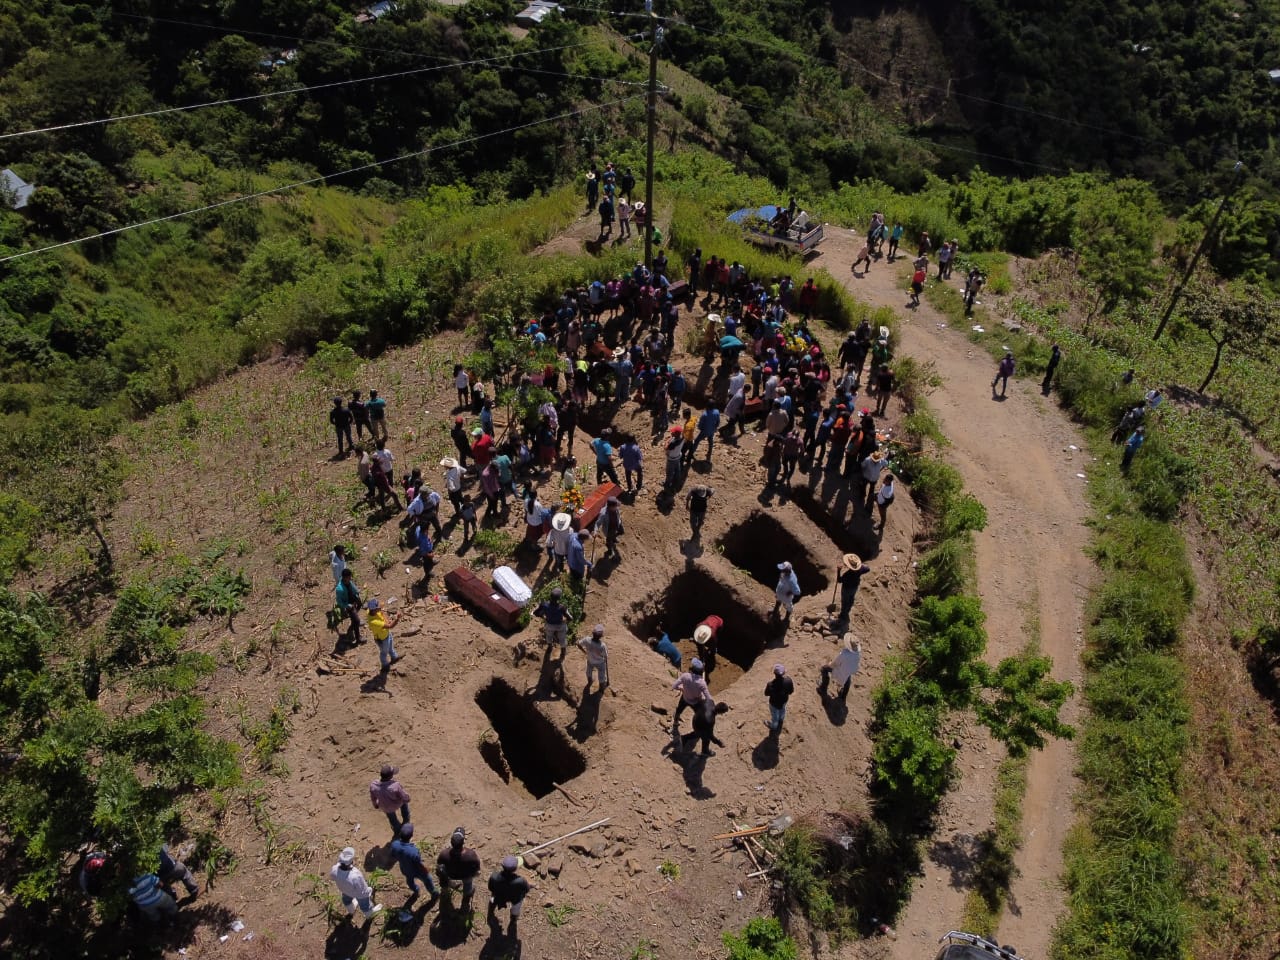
x=409 y=857
x=604 y=458
x=664 y=646
x=556 y=617
x=426 y=551
x=486 y=417
x=152 y=902
x=576 y=559
x=1131 y=447
x=708 y=424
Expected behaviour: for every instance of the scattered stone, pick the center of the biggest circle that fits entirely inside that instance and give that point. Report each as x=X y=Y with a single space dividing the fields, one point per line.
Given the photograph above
x=531 y=859
x=632 y=867
x=661 y=710
x=555 y=866
x=577 y=846
x=597 y=851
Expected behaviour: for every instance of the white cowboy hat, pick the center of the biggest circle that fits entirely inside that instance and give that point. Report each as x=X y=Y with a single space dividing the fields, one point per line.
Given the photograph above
x=851 y=561
x=702 y=634
x=448 y=463
x=561 y=522
x=713 y=317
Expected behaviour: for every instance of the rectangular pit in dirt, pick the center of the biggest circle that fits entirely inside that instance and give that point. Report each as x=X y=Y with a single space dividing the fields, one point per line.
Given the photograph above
x=761 y=542
x=691 y=597
x=526 y=749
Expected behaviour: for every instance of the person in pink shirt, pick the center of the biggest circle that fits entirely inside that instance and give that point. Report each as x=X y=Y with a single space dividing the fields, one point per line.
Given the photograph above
x=389 y=796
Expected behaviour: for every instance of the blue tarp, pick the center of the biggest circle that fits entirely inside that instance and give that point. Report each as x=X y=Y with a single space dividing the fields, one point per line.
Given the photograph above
x=765 y=213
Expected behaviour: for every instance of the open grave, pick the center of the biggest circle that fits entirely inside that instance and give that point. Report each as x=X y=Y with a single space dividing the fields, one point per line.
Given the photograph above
x=760 y=542
x=525 y=746
x=688 y=599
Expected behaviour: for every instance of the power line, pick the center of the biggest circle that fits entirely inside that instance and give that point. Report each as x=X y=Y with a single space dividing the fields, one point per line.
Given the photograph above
x=313 y=180
x=323 y=86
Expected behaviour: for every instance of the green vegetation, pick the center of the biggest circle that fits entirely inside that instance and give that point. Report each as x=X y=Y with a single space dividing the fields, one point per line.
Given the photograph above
x=761 y=939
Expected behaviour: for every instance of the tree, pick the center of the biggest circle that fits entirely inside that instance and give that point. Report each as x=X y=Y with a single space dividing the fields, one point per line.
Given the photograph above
x=1240 y=316
x=1114 y=234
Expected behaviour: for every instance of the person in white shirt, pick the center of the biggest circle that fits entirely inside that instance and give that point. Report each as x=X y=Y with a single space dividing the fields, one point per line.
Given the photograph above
x=462 y=383
x=453 y=482
x=842 y=668
x=352 y=885
x=597 y=655
x=386 y=460
x=737 y=382
x=338 y=562
x=624 y=218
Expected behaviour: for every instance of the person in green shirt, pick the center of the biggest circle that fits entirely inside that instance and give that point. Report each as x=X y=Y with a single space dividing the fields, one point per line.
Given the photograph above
x=347 y=596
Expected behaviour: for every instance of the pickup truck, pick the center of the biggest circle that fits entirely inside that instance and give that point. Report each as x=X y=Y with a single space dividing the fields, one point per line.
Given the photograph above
x=968 y=946
x=759 y=225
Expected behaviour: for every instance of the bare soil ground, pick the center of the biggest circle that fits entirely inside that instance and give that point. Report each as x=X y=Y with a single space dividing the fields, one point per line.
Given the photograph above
x=246 y=468
x=1021 y=457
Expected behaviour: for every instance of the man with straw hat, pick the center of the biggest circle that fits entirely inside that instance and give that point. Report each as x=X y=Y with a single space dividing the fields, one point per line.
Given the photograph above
x=558 y=540
x=352 y=885
x=453 y=483
x=842 y=668
x=849 y=576
x=706 y=637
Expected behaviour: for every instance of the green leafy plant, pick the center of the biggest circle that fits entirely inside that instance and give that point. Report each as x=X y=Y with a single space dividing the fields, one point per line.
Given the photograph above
x=761 y=939
x=669 y=869
x=558 y=915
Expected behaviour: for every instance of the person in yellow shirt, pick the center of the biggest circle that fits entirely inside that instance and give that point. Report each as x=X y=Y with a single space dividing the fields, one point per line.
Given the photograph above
x=380 y=625
x=690 y=429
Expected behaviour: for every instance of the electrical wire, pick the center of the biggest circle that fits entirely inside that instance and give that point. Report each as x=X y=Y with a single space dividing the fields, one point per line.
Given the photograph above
x=321 y=86
x=314 y=180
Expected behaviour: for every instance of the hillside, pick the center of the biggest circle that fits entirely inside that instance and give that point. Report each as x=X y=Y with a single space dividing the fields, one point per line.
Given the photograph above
x=242 y=211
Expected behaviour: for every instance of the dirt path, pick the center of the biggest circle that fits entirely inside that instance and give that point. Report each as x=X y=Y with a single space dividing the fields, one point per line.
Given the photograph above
x=1016 y=456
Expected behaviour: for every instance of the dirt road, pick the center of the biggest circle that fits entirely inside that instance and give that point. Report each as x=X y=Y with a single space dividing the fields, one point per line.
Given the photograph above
x=1016 y=455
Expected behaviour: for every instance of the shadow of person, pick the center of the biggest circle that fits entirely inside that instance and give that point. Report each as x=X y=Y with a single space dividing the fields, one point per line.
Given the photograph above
x=346 y=939
x=960 y=854
x=376 y=684
x=404 y=924
x=692 y=548
x=588 y=717
x=764 y=756
x=551 y=683
x=450 y=927
x=836 y=709
x=694 y=765
x=500 y=945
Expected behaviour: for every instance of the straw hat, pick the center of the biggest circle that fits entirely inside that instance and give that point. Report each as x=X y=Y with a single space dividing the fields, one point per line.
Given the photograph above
x=561 y=522
x=702 y=634
x=448 y=463
x=851 y=561
x=713 y=317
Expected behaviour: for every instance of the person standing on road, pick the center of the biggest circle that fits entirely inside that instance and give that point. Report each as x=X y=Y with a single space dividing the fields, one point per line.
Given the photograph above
x=555 y=619
x=597 y=656
x=708 y=424
x=872 y=466
x=1055 y=358
x=461 y=441
x=462 y=383
x=778 y=691
x=787 y=592
x=340 y=417
x=675 y=459
x=458 y=865
x=409 y=858
x=380 y=626
x=453 y=483
x=895 y=236
x=388 y=796
x=884 y=389
x=697 y=500
x=576 y=559
x=842 y=668
x=352 y=886
x=377 y=410
x=849 y=576
x=610 y=523
x=558 y=541
x=1003 y=372
x=507 y=888
x=884 y=498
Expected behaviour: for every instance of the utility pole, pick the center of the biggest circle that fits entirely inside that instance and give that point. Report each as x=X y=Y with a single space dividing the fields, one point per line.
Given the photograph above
x=653 y=127
x=1209 y=232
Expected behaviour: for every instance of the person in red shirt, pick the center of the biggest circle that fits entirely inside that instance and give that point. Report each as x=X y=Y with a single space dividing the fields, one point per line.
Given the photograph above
x=808 y=298
x=706 y=636
x=841 y=430
x=481 y=448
